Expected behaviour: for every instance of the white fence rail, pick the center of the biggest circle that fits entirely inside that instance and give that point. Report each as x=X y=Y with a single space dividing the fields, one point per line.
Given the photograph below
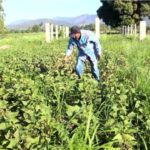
x=135 y=30
x=52 y=31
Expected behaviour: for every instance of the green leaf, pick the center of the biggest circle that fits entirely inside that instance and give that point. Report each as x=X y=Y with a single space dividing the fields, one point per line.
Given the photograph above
x=72 y=109
x=137 y=104
x=30 y=141
x=3 y=126
x=12 y=116
x=16 y=134
x=118 y=91
x=128 y=137
x=3 y=104
x=123 y=97
x=27 y=92
x=109 y=146
x=131 y=115
x=148 y=123
x=110 y=122
x=13 y=143
x=25 y=103
x=118 y=137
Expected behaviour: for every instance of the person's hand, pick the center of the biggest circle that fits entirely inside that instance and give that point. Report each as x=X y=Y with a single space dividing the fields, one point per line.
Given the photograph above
x=98 y=57
x=66 y=59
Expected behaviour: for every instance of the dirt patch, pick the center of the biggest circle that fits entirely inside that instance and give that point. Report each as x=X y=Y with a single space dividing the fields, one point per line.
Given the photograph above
x=3 y=47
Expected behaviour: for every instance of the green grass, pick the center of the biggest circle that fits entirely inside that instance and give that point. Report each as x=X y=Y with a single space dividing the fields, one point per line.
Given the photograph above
x=135 y=54
x=44 y=106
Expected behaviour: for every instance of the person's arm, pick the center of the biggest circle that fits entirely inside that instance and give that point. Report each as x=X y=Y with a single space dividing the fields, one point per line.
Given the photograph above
x=97 y=47
x=69 y=49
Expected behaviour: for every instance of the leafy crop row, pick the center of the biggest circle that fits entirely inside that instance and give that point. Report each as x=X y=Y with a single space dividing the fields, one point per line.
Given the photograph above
x=44 y=106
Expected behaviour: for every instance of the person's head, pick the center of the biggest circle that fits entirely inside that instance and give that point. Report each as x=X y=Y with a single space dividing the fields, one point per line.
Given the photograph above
x=75 y=32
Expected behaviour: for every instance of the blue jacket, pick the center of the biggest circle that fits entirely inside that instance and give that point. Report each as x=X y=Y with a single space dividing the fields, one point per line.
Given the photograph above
x=88 y=45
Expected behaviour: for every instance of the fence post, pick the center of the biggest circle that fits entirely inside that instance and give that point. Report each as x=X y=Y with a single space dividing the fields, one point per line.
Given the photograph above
x=128 y=30
x=135 y=29
x=67 y=31
x=56 y=31
x=131 y=30
x=142 y=30
x=64 y=31
x=47 y=32
x=123 y=30
x=52 y=31
x=97 y=27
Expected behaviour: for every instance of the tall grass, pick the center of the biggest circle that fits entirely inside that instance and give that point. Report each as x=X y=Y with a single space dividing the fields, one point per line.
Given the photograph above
x=134 y=53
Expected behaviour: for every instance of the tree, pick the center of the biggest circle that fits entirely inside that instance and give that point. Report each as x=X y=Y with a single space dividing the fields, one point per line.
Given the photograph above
x=88 y=27
x=36 y=28
x=1 y=9
x=2 y=26
x=122 y=12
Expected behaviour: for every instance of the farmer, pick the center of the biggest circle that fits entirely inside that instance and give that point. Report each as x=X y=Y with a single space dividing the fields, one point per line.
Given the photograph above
x=88 y=49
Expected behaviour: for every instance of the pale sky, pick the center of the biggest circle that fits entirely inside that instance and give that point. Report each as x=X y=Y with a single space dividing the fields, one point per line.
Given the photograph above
x=35 y=9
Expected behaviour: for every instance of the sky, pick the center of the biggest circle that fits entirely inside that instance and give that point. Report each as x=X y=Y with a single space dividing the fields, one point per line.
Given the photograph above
x=35 y=9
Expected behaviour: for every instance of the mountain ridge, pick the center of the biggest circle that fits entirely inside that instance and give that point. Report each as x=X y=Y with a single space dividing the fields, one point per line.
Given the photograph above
x=84 y=19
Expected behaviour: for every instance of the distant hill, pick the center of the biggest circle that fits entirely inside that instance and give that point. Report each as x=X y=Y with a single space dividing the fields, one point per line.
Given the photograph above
x=25 y=24
x=79 y=20
x=68 y=21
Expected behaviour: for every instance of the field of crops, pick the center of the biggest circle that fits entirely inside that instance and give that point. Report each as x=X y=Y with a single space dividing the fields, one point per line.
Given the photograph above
x=44 y=106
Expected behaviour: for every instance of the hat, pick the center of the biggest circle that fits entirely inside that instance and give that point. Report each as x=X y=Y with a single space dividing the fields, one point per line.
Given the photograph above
x=74 y=30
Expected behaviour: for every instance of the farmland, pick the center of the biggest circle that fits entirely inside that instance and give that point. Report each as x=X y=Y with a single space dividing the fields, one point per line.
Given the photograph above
x=44 y=106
